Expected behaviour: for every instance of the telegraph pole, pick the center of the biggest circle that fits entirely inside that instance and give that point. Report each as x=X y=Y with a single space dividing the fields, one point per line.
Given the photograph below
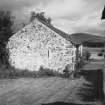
x=103 y=13
x=103 y=18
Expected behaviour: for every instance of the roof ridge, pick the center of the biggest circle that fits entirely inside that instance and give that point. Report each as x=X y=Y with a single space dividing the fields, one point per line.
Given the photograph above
x=60 y=32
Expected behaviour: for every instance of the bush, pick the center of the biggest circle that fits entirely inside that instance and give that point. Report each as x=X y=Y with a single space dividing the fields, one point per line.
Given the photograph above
x=100 y=54
x=102 y=50
x=45 y=72
x=86 y=55
x=12 y=73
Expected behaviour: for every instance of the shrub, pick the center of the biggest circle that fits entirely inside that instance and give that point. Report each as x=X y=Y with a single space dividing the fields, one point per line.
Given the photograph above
x=86 y=55
x=100 y=54
x=13 y=73
x=102 y=50
x=45 y=72
x=67 y=72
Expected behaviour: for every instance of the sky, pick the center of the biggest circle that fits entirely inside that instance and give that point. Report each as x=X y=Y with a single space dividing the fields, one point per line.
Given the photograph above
x=71 y=16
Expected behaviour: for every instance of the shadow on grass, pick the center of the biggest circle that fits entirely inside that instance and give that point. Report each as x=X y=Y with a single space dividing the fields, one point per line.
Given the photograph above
x=92 y=90
x=63 y=103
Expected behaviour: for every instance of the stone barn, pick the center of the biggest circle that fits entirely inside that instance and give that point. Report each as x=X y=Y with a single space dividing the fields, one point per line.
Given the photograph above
x=39 y=44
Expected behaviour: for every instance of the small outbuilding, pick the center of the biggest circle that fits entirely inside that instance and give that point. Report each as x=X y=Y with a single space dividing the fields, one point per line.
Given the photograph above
x=40 y=44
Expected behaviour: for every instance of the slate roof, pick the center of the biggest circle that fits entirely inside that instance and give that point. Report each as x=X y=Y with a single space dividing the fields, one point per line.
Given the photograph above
x=76 y=38
x=61 y=33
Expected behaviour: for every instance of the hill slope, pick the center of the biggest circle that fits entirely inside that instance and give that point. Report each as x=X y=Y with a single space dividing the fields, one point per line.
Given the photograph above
x=84 y=37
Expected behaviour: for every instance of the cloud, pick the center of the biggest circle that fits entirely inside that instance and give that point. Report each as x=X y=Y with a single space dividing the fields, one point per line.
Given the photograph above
x=17 y=4
x=72 y=9
x=17 y=7
x=63 y=24
x=83 y=19
x=68 y=15
x=91 y=23
x=64 y=8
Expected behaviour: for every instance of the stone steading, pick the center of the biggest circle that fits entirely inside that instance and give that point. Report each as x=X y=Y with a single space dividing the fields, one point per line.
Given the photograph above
x=37 y=45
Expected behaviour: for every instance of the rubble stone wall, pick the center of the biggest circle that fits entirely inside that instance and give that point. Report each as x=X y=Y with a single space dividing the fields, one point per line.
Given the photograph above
x=37 y=45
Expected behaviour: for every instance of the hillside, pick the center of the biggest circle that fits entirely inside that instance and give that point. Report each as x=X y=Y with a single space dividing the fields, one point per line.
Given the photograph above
x=84 y=37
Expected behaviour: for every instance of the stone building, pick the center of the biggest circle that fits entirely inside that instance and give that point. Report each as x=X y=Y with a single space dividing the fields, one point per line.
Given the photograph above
x=39 y=44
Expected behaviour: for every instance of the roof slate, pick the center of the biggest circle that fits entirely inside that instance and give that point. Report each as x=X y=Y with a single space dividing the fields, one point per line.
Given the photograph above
x=76 y=38
x=61 y=33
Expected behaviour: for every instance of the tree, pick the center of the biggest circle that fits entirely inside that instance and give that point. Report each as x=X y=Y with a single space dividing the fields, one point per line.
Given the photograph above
x=41 y=16
x=32 y=16
x=6 y=23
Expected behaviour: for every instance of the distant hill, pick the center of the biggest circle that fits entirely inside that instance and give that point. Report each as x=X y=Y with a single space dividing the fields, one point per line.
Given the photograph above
x=79 y=38
x=88 y=39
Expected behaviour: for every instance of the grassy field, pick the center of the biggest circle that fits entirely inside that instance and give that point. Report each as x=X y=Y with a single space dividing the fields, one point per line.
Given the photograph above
x=28 y=91
x=35 y=91
x=93 y=50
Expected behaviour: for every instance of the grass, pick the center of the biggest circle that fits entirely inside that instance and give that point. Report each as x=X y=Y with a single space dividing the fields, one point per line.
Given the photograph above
x=93 y=49
x=29 y=91
x=11 y=72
